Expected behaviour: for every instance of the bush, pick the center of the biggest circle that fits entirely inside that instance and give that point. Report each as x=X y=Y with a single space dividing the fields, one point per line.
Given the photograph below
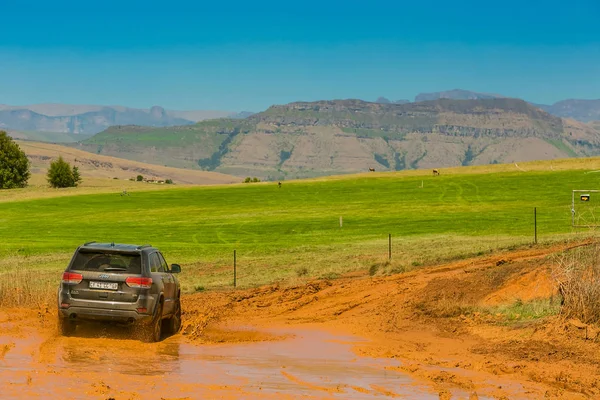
x=14 y=165
x=302 y=271
x=330 y=276
x=139 y=178
x=61 y=175
x=169 y=181
x=250 y=180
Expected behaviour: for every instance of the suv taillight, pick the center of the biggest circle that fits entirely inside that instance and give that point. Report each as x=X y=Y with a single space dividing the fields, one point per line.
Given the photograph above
x=72 y=278
x=139 y=282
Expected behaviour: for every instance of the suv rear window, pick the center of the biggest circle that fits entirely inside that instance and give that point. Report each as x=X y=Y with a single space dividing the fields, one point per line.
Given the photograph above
x=107 y=262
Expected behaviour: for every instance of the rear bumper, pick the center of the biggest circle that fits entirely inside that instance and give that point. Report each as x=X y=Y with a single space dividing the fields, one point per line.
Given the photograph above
x=76 y=314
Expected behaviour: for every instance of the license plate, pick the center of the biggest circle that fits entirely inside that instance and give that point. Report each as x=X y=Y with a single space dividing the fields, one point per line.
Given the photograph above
x=104 y=285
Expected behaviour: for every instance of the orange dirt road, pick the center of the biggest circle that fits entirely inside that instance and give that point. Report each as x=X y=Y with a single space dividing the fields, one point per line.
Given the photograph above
x=358 y=337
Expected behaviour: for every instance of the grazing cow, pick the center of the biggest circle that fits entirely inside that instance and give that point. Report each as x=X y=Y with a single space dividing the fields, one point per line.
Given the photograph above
x=372 y=169
x=436 y=172
x=279 y=184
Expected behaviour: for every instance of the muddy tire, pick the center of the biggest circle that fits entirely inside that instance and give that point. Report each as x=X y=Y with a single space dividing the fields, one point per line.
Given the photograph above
x=65 y=327
x=173 y=324
x=151 y=333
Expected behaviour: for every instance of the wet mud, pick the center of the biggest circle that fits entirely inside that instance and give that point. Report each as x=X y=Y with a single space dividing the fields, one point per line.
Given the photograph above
x=307 y=363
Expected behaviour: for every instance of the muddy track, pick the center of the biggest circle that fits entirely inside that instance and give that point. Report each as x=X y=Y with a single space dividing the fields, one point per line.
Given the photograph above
x=356 y=337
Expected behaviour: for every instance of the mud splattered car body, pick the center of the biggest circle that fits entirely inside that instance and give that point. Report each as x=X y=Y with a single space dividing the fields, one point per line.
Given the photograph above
x=120 y=283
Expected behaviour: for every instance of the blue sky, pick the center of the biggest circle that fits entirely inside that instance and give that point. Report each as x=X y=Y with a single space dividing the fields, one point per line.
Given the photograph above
x=248 y=55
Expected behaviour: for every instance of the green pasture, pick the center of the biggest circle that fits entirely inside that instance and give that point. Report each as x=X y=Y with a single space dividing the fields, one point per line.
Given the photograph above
x=293 y=232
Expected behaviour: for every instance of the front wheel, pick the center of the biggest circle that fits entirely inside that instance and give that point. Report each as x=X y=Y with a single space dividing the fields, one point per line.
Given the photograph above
x=152 y=331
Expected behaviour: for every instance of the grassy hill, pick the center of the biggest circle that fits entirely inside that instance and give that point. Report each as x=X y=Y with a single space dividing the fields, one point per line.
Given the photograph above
x=294 y=232
x=49 y=137
x=347 y=136
x=98 y=167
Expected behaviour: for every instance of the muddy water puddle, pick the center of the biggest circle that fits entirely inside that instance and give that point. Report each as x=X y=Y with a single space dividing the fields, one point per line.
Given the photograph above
x=308 y=364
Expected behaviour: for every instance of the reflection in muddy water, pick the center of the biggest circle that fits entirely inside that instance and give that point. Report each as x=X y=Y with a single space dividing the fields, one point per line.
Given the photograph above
x=312 y=363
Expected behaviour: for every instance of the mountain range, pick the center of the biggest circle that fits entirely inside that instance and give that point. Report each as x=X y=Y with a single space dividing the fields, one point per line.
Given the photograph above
x=306 y=139
x=581 y=110
x=89 y=119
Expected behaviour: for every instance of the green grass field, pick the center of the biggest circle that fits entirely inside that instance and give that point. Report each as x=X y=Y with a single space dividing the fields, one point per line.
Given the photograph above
x=293 y=232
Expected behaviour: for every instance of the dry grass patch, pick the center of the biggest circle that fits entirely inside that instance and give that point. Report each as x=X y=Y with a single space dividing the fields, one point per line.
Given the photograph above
x=577 y=274
x=28 y=288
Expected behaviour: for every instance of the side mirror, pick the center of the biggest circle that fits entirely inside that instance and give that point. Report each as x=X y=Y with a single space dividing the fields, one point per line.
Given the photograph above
x=175 y=268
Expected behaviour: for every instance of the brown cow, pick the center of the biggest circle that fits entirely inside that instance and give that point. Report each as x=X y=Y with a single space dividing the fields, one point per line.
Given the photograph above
x=436 y=172
x=372 y=169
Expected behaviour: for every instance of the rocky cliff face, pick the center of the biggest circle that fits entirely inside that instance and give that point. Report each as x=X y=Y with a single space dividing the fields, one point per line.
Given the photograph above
x=330 y=137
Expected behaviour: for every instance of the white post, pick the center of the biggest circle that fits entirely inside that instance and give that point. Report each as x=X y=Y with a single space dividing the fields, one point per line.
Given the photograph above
x=341 y=222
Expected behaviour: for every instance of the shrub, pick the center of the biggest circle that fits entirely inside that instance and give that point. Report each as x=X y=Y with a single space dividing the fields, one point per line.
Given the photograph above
x=199 y=288
x=247 y=180
x=302 y=271
x=255 y=179
x=139 y=178
x=330 y=275
x=61 y=175
x=14 y=165
x=169 y=181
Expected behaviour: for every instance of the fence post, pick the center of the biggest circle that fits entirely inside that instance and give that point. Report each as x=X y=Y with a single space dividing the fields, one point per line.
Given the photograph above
x=390 y=246
x=234 y=269
x=535 y=225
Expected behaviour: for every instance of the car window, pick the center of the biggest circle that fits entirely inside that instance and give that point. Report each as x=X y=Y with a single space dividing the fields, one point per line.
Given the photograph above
x=163 y=263
x=155 y=263
x=107 y=262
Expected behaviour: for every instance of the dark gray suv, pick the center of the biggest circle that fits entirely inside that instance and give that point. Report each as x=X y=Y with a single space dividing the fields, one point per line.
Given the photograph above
x=120 y=283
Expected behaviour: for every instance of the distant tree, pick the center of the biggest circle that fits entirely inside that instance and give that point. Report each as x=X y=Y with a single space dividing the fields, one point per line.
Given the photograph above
x=14 y=165
x=169 y=181
x=255 y=179
x=139 y=178
x=61 y=175
x=247 y=180
x=76 y=175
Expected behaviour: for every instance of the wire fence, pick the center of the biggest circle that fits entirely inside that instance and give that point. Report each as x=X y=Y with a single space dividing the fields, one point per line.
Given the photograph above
x=403 y=245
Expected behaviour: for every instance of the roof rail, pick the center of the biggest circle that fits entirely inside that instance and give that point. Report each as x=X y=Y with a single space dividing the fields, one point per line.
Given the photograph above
x=88 y=243
x=144 y=246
